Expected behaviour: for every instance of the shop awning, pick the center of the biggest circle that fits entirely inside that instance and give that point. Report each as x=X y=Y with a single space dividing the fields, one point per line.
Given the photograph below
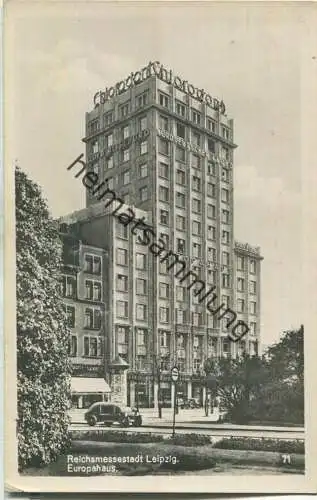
x=86 y=385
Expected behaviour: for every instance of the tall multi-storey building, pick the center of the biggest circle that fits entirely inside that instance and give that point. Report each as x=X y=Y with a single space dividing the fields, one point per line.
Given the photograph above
x=166 y=147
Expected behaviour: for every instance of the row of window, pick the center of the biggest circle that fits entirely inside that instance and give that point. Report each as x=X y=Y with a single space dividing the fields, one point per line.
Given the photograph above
x=180 y=198
x=141 y=261
x=180 y=175
x=141 y=312
x=92 y=346
x=164 y=147
x=92 y=317
x=92 y=288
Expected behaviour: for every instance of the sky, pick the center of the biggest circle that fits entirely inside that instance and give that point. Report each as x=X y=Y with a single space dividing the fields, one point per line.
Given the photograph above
x=249 y=55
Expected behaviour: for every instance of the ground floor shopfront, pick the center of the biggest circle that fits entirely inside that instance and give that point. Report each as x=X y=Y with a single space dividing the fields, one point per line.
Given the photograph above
x=145 y=391
x=88 y=390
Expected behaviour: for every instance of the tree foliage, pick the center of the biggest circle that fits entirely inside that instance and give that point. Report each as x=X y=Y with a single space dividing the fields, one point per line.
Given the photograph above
x=270 y=387
x=42 y=335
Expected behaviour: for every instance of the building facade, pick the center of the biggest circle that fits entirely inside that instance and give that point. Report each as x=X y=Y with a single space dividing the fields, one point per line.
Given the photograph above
x=166 y=148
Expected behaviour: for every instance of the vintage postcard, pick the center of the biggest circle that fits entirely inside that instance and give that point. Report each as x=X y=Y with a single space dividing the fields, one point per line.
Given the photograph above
x=155 y=291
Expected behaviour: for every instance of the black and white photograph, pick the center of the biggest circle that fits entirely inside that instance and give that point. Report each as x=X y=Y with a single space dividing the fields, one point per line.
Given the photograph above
x=157 y=338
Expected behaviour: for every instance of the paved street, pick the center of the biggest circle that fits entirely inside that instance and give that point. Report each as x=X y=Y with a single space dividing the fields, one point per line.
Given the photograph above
x=188 y=421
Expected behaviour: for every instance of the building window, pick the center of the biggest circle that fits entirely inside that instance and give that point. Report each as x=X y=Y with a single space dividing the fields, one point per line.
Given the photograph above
x=163 y=193
x=253 y=328
x=211 y=125
x=72 y=347
x=143 y=123
x=122 y=309
x=165 y=238
x=195 y=161
x=122 y=335
x=211 y=276
x=143 y=170
x=240 y=285
x=92 y=347
x=196 y=183
x=141 y=286
x=122 y=283
x=240 y=305
x=122 y=256
x=126 y=132
x=181 y=293
x=125 y=155
x=126 y=177
x=180 y=130
x=224 y=153
x=140 y=261
x=180 y=177
x=211 y=168
x=225 y=258
x=211 y=254
x=121 y=230
x=225 y=175
x=252 y=286
x=88 y=263
x=141 y=312
x=163 y=100
x=164 y=314
x=108 y=118
x=141 y=336
x=225 y=280
x=180 y=200
x=211 y=146
x=225 y=132
x=211 y=189
x=180 y=245
x=225 y=195
x=196 y=118
x=211 y=211
x=180 y=109
x=142 y=100
x=70 y=313
x=124 y=110
x=180 y=223
x=240 y=263
x=94 y=146
x=253 y=307
x=164 y=217
x=144 y=195
x=143 y=148
x=164 y=291
x=69 y=286
x=196 y=227
x=92 y=290
x=211 y=233
x=164 y=339
x=196 y=206
x=108 y=141
x=197 y=319
x=163 y=267
x=225 y=237
x=196 y=138
x=163 y=169
x=163 y=123
x=180 y=316
x=225 y=216
x=225 y=299
x=109 y=163
x=252 y=266
x=92 y=318
x=180 y=154
x=163 y=146
x=196 y=250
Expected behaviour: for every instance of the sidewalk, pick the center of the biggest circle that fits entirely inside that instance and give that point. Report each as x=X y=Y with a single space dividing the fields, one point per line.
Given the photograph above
x=188 y=419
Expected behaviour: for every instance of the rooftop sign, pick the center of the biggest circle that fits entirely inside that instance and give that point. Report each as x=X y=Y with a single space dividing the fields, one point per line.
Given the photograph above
x=165 y=75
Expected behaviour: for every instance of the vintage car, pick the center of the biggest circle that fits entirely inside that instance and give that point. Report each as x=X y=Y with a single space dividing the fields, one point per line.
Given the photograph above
x=110 y=414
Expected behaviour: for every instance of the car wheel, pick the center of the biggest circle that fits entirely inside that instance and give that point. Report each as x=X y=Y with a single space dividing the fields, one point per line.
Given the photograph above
x=92 y=420
x=138 y=422
x=125 y=422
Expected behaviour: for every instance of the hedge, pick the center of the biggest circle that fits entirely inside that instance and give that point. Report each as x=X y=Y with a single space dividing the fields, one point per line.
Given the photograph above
x=262 y=444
